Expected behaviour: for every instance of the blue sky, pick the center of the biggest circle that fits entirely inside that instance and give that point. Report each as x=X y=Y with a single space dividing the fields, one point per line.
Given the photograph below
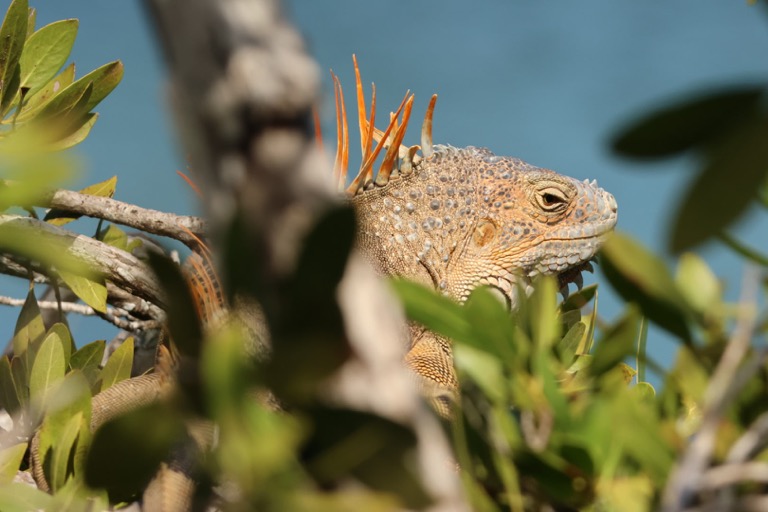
x=544 y=81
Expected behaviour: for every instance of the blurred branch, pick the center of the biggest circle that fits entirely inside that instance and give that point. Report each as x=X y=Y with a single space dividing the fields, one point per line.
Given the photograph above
x=729 y=377
x=117 y=266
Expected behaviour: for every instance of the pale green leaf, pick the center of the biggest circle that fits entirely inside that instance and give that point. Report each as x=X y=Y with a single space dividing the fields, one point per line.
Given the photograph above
x=118 y=366
x=698 y=284
x=62 y=331
x=91 y=291
x=45 y=52
x=10 y=461
x=88 y=360
x=17 y=497
x=484 y=369
x=48 y=367
x=115 y=237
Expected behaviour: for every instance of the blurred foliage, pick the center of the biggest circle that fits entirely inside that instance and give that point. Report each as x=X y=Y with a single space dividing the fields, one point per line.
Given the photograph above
x=555 y=411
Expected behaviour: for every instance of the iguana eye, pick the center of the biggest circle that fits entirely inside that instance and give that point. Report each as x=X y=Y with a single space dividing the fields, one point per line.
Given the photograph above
x=551 y=199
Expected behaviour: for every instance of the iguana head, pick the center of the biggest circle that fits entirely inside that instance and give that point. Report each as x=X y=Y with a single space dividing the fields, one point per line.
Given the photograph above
x=525 y=221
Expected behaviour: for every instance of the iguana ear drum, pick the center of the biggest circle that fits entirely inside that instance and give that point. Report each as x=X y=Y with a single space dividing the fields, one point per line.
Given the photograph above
x=484 y=233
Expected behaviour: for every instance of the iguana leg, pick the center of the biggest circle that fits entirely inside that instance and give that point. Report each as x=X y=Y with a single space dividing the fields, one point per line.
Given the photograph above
x=431 y=359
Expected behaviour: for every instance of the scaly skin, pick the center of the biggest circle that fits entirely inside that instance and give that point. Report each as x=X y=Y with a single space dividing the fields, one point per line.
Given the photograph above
x=466 y=217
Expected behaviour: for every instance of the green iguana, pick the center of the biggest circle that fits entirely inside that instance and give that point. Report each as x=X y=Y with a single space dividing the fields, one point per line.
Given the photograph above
x=451 y=218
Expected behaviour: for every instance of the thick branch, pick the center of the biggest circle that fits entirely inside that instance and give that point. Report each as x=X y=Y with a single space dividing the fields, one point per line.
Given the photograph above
x=179 y=227
x=40 y=241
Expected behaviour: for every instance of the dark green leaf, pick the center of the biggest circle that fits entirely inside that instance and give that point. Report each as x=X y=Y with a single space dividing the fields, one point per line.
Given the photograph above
x=736 y=166
x=183 y=320
x=687 y=124
x=641 y=277
x=45 y=52
x=9 y=396
x=375 y=450
x=118 y=365
x=29 y=326
x=126 y=452
x=616 y=344
x=13 y=33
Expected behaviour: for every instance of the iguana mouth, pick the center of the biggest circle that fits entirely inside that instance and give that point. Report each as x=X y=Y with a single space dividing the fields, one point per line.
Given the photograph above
x=505 y=286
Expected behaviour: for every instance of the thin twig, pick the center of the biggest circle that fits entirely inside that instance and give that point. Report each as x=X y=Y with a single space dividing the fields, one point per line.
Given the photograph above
x=116 y=316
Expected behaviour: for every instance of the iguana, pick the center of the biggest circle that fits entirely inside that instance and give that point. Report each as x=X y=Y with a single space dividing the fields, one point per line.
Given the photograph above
x=451 y=218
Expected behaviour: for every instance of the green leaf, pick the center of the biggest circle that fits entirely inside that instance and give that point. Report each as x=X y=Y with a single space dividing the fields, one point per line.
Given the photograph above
x=102 y=80
x=65 y=442
x=91 y=291
x=10 y=461
x=18 y=497
x=735 y=168
x=48 y=367
x=9 y=396
x=119 y=364
x=45 y=52
x=21 y=379
x=31 y=20
x=434 y=311
x=698 y=284
x=114 y=236
x=13 y=33
x=616 y=344
x=104 y=188
x=29 y=326
x=34 y=103
x=484 y=369
x=88 y=359
x=72 y=398
x=688 y=123
x=640 y=276
x=62 y=331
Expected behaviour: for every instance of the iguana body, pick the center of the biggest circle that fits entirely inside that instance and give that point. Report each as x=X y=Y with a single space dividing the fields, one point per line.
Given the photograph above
x=466 y=217
x=453 y=219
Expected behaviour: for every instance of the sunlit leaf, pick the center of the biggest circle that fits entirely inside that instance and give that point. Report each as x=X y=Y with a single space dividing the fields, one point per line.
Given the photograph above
x=34 y=103
x=118 y=365
x=690 y=123
x=13 y=33
x=433 y=310
x=48 y=367
x=18 y=497
x=88 y=359
x=91 y=291
x=102 y=81
x=45 y=52
x=62 y=331
x=641 y=277
x=739 y=159
x=484 y=369
x=10 y=461
x=698 y=284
